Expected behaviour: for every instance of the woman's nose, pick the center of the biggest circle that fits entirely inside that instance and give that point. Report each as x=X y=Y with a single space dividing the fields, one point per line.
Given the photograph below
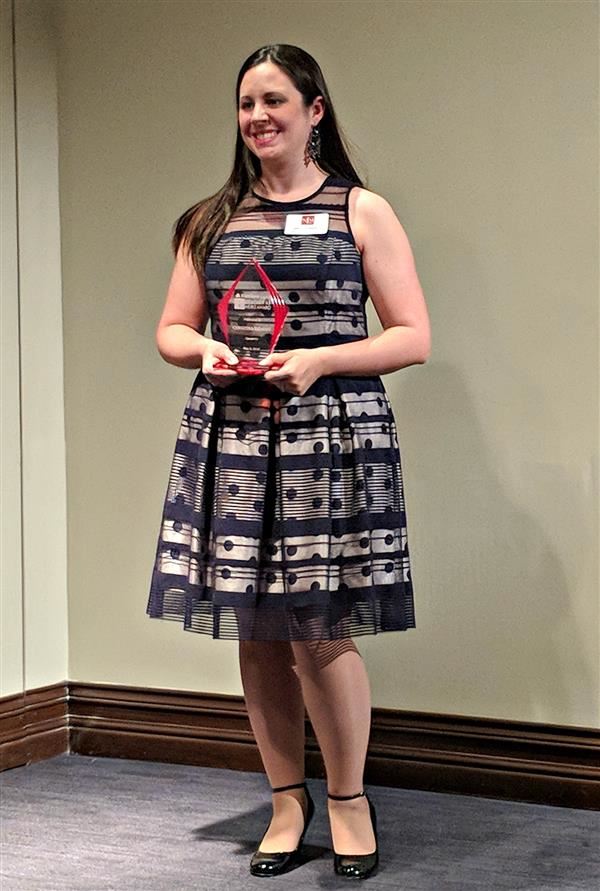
x=258 y=113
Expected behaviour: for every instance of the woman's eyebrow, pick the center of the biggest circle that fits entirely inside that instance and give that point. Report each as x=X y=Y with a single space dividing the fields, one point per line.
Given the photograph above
x=268 y=93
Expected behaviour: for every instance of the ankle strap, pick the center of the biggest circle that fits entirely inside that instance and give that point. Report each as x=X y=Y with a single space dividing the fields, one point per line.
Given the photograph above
x=292 y=786
x=345 y=797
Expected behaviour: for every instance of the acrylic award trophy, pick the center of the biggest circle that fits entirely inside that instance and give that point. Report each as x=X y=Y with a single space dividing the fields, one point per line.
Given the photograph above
x=252 y=313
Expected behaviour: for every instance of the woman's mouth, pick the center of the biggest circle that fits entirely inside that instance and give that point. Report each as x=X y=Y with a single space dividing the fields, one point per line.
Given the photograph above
x=266 y=137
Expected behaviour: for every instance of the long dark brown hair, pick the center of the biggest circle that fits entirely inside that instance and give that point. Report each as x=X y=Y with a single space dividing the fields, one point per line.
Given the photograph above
x=200 y=226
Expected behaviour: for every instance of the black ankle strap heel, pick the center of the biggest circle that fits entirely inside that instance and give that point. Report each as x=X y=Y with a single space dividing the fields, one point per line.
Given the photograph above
x=292 y=786
x=267 y=864
x=345 y=797
x=357 y=866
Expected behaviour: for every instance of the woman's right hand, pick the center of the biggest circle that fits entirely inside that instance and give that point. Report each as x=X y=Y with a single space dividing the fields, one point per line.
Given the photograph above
x=213 y=352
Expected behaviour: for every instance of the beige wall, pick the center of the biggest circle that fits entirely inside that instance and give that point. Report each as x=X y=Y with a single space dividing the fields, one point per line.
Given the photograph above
x=11 y=602
x=478 y=122
x=33 y=601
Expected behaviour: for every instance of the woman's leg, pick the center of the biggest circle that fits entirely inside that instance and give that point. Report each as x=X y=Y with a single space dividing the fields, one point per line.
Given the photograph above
x=275 y=707
x=336 y=692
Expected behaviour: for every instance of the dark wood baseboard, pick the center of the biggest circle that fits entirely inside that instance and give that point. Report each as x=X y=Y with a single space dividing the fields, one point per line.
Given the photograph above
x=511 y=760
x=34 y=725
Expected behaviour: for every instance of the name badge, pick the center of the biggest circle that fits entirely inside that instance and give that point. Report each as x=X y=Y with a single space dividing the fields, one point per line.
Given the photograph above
x=306 y=223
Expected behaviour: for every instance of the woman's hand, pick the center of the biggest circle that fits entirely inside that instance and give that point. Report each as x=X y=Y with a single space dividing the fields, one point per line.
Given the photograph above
x=212 y=353
x=296 y=369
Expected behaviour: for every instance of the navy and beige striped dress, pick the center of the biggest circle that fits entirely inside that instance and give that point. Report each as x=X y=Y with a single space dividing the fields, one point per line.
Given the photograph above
x=284 y=517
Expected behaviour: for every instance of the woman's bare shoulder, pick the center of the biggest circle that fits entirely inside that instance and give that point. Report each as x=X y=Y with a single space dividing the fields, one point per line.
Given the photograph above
x=364 y=208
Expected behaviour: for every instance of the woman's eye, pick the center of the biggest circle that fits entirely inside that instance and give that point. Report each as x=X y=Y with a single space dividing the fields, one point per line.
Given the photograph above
x=245 y=105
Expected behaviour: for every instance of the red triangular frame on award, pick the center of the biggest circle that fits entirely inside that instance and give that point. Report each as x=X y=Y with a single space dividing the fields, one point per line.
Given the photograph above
x=280 y=311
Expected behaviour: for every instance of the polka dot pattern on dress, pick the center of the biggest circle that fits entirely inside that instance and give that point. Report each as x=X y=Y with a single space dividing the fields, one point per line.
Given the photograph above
x=284 y=516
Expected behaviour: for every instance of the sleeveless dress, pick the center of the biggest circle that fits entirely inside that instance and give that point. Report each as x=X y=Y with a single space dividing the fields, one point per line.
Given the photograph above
x=284 y=517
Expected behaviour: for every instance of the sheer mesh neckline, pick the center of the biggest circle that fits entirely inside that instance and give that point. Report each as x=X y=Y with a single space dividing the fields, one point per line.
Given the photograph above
x=295 y=200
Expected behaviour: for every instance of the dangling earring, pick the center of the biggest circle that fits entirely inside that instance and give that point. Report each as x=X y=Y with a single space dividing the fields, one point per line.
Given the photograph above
x=313 y=146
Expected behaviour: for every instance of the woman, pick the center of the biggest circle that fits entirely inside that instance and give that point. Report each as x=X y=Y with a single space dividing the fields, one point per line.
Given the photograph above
x=284 y=523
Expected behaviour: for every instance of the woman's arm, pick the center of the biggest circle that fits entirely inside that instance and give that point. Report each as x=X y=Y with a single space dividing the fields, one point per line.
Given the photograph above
x=394 y=287
x=185 y=314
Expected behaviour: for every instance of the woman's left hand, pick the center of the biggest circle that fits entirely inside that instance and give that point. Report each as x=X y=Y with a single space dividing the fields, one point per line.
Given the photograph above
x=294 y=370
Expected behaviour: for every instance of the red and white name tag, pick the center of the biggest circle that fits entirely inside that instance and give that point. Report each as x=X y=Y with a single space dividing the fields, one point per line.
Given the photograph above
x=306 y=223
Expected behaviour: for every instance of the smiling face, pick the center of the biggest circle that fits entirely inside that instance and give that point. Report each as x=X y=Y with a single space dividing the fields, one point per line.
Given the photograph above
x=273 y=120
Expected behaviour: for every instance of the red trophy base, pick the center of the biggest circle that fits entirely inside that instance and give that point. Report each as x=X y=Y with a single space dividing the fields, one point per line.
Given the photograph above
x=243 y=366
